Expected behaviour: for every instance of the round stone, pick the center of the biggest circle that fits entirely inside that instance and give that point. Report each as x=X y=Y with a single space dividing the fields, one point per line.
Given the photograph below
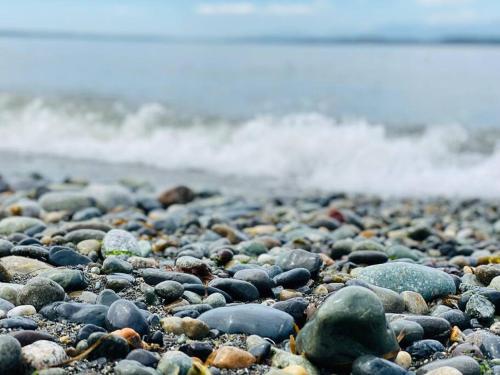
x=125 y=314
x=40 y=291
x=10 y=354
x=298 y=258
x=169 y=290
x=248 y=319
x=120 y=242
x=114 y=264
x=43 y=353
x=349 y=324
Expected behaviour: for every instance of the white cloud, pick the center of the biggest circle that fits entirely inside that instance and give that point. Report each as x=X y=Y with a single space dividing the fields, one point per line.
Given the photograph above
x=462 y=17
x=226 y=9
x=442 y=2
x=288 y=9
x=248 y=8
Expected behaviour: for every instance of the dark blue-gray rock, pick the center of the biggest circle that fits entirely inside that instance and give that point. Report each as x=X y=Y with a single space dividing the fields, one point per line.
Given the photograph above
x=68 y=279
x=425 y=349
x=399 y=276
x=169 y=290
x=65 y=201
x=480 y=308
x=293 y=279
x=86 y=214
x=79 y=235
x=153 y=276
x=239 y=290
x=261 y=352
x=349 y=324
x=145 y=357
x=119 y=281
x=402 y=252
x=258 y=278
x=465 y=348
x=87 y=330
x=434 y=327
x=120 y=242
x=111 y=346
x=410 y=331
x=125 y=314
x=248 y=319
x=10 y=355
x=197 y=349
x=28 y=337
x=187 y=313
x=296 y=307
x=456 y=318
x=466 y=365
x=419 y=232
x=83 y=313
x=18 y=224
x=367 y=257
x=64 y=256
x=200 y=308
x=5 y=247
x=298 y=258
x=392 y=301
x=107 y=297
x=371 y=365
x=491 y=295
x=39 y=292
x=18 y=322
x=490 y=346
x=204 y=290
x=30 y=251
x=6 y=305
x=131 y=367
x=114 y=264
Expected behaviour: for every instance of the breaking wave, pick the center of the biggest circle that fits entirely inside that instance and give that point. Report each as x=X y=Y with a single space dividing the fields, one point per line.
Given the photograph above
x=310 y=150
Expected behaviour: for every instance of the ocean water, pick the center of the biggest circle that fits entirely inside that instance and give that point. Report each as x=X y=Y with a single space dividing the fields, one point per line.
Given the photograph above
x=400 y=120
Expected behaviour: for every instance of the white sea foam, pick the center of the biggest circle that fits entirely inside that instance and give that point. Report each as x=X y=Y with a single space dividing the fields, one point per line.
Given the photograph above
x=310 y=150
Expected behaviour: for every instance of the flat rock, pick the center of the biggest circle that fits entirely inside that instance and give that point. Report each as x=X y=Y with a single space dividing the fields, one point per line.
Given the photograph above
x=17 y=265
x=248 y=319
x=18 y=224
x=399 y=276
x=298 y=258
x=83 y=313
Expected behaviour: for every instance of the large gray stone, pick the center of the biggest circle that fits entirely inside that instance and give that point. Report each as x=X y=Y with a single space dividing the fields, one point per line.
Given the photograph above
x=40 y=291
x=70 y=201
x=400 y=276
x=250 y=319
x=17 y=224
x=349 y=324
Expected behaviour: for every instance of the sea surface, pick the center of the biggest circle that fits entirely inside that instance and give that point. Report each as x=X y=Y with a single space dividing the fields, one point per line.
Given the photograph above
x=393 y=120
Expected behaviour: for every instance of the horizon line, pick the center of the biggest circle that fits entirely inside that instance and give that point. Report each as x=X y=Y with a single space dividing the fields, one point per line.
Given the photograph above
x=258 y=39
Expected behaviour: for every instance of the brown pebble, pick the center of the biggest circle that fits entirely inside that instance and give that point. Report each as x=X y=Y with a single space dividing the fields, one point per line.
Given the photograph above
x=231 y=358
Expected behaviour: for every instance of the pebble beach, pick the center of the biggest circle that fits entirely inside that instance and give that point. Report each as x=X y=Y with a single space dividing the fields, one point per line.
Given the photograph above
x=128 y=278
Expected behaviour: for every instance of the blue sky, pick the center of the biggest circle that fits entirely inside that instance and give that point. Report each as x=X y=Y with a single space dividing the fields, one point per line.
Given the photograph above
x=259 y=17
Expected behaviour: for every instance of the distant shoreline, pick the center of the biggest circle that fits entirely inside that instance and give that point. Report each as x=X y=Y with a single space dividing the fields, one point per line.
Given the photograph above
x=276 y=40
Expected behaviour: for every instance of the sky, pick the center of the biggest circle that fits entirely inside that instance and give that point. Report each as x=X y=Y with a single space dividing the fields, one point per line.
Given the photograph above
x=215 y=18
